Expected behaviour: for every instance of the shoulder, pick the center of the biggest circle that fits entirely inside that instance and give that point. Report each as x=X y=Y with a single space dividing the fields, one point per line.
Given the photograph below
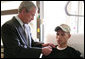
x=73 y=51
x=71 y=48
x=9 y=24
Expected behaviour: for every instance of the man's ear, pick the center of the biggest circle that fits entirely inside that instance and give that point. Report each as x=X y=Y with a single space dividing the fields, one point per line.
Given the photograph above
x=69 y=35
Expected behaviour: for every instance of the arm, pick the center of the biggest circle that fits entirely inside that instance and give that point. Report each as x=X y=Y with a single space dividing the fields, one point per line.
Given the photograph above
x=37 y=44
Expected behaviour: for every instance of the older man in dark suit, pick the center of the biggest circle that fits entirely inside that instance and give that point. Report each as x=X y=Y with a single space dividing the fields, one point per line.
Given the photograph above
x=16 y=35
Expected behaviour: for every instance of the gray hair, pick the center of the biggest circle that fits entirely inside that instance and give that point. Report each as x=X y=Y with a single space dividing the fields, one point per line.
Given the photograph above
x=26 y=4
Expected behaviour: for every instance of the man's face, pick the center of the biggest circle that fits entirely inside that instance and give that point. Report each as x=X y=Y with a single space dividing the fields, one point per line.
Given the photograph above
x=28 y=16
x=62 y=37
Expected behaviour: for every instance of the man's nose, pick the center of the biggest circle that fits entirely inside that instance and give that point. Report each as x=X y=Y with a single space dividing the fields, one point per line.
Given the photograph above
x=58 y=37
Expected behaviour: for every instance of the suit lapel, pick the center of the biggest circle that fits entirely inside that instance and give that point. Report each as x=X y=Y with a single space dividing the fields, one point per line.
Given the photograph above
x=20 y=31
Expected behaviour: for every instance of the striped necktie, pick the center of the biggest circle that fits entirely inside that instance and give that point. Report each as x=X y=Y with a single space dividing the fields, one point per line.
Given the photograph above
x=27 y=35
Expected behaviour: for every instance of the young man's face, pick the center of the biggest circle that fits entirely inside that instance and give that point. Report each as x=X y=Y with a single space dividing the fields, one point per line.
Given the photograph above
x=62 y=37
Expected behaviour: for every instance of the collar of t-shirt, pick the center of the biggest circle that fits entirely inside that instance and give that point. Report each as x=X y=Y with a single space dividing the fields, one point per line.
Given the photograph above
x=61 y=48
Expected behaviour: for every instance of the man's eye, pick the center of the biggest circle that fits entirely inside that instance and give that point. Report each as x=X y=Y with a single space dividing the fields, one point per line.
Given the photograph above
x=62 y=34
x=57 y=34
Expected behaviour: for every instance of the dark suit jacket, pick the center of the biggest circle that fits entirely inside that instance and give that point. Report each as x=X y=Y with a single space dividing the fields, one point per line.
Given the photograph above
x=14 y=42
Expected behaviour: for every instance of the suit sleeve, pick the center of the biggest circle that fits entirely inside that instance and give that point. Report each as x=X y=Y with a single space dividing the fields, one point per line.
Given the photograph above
x=36 y=44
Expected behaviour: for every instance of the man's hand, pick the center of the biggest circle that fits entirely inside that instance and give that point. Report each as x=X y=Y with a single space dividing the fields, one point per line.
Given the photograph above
x=46 y=50
x=48 y=44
